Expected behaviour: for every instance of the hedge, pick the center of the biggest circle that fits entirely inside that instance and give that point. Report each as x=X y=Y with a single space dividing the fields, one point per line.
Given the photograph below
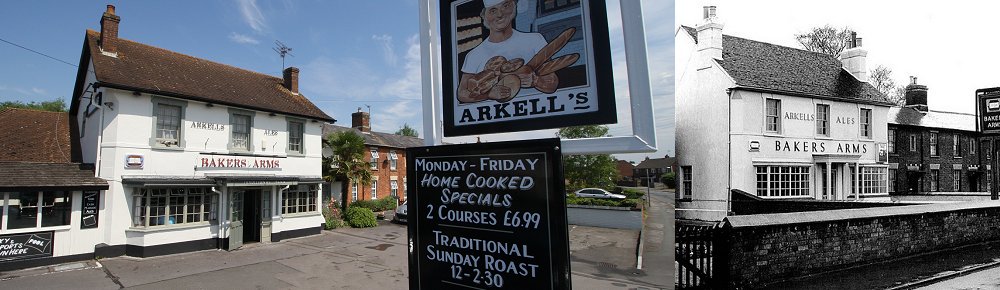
x=359 y=217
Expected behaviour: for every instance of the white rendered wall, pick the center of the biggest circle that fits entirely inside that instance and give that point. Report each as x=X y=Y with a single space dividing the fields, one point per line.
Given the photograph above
x=702 y=117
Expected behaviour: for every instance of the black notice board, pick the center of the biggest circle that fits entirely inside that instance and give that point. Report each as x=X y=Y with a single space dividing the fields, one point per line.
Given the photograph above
x=488 y=216
x=25 y=246
x=91 y=207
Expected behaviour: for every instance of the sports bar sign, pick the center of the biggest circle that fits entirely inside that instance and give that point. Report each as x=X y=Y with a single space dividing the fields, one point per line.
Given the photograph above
x=488 y=216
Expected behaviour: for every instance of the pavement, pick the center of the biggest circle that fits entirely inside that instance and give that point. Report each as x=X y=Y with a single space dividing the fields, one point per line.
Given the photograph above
x=958 y=268
x=347 y=258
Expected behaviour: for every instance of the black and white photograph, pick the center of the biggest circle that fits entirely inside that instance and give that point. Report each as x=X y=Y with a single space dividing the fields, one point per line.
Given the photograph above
x=836 y=145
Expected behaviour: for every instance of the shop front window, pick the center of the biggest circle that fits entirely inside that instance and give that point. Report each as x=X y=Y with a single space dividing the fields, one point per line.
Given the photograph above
x=34 y=209
x=782 y=181
x=299 y=199
x=173 y=205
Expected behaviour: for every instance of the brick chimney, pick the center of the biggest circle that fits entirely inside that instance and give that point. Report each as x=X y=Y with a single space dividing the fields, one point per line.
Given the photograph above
x=109 y=31
x=291 y=76
x=360 y=121
x=710 y=35
x=854 y=58
x=916 y=95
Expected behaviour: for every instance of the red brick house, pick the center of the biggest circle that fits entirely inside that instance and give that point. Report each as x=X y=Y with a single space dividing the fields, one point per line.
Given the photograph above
x=625 y=170
x=386 y=154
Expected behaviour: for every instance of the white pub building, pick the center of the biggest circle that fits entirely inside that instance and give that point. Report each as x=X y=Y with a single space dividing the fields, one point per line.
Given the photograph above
x=773 y=121
x=198 y=155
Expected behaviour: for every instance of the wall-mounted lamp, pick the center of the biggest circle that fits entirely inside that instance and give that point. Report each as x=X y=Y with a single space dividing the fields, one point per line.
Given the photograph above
x=110 y=105
x=754 y=146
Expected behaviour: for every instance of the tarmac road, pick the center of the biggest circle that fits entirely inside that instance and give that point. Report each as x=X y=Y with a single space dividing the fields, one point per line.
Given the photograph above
x=373 y=258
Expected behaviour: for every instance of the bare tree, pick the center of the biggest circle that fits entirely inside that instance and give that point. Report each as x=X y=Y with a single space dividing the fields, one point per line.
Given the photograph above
x=826 y=39
x=881 y=79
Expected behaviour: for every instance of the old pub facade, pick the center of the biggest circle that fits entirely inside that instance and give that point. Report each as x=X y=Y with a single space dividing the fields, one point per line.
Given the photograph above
x=775 y=122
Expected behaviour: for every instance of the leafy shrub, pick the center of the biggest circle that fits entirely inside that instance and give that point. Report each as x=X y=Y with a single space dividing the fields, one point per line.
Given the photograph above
x=332 y=217
x=628 y=202
x=669 y=179
x=359 y=217
x=634 y=193
x=376 y=205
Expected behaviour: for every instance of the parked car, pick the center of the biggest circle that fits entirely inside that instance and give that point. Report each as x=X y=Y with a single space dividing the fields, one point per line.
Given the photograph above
x=597 y=193
x=400 y=216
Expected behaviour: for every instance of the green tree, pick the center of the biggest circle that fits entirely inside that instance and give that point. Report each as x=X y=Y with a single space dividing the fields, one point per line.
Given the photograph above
x=669 y=179
x=59 y=105
x=347 y=162
x=581 y=171
x=406 y=130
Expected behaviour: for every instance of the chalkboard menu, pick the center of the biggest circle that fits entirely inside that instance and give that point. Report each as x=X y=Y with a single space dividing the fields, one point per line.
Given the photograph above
x=91 y=206
x=25 y=246
x=488 y=216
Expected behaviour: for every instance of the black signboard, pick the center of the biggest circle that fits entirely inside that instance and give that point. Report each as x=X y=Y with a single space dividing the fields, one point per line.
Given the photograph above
x=488 y=216
x=989 y=110
x=511 y=66
x=25 y=246
x=91 y=206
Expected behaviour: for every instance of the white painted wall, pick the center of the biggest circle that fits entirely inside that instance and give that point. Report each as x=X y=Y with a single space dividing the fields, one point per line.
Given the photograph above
x=128 y=129
x=702 y=118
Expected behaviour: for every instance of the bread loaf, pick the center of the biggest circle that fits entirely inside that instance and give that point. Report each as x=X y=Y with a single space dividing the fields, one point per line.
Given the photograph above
x=552 y=66
x=550 y=49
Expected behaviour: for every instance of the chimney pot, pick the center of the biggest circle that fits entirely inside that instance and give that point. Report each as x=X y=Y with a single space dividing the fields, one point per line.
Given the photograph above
x=361 y=120
x=291 y=79
x=109 y=31
x=916 y=95
x=709 y=36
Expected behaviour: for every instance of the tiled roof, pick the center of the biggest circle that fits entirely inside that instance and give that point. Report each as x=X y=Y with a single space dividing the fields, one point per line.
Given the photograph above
x=932 y=119
x=56 y=176
x=764 y=66
x=378 y=138
x=159 y=71
x=656 y=163
x=34 y=136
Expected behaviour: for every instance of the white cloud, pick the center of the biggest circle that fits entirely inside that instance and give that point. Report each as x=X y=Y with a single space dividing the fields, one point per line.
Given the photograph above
x=384 y=42
x=242 y=39
x=346 y=78
x=38 y=91
x=251 y=15
x=406 y=84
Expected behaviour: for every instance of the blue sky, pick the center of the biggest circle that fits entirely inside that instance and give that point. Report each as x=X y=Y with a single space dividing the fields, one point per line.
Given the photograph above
x=351 y=53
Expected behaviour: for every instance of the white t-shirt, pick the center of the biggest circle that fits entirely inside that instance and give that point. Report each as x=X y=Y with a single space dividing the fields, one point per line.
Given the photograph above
x=519 y=45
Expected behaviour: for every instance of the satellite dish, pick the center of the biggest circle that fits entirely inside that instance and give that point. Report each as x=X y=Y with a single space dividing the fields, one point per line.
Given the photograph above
x=327 y=152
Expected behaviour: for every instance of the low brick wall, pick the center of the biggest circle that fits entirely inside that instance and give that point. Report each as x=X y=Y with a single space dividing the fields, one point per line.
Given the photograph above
x=756 y=250
x=746 y=204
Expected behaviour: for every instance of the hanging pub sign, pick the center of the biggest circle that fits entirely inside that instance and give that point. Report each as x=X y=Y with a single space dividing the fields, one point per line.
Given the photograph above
x=25 y=246
x=89 y=210
x=525 y=65
x=488 y=216
x=989 y=110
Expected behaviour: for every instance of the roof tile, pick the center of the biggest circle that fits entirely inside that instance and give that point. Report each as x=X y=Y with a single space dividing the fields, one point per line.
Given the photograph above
x=143 y=67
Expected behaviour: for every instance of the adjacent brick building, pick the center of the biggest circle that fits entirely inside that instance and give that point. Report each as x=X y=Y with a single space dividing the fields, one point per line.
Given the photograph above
x=933 y=151
x=386 y=153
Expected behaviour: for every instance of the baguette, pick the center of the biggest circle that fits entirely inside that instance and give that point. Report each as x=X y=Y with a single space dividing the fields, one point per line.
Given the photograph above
x=550 y=49
x=554 y=65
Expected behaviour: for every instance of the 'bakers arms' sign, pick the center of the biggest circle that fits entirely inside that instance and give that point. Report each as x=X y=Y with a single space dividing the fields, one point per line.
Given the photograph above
x=237 y=162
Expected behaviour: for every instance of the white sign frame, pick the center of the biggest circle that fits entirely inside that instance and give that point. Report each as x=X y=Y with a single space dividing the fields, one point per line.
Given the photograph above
x=643 y=139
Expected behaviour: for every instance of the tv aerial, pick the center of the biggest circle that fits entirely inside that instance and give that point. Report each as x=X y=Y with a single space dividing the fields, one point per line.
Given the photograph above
x=282 y=50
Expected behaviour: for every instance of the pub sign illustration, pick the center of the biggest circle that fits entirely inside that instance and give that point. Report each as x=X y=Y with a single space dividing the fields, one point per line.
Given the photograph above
x=517 y=65
x=488 y=216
